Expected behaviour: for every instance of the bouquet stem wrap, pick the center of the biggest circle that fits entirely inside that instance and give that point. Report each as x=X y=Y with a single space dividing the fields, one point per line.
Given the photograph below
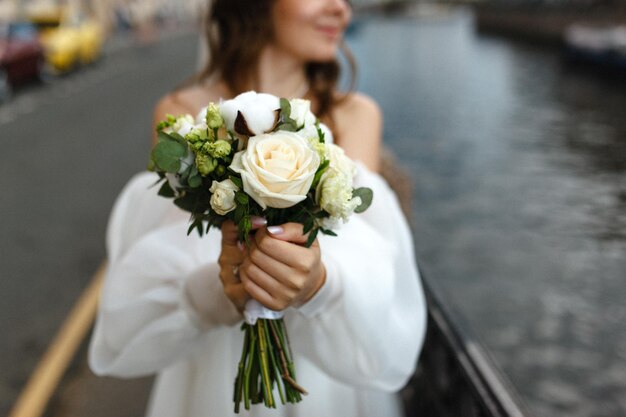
x=266 y=361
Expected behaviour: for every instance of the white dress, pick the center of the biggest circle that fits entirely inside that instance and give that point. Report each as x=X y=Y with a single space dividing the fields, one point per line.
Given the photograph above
x=355 y=343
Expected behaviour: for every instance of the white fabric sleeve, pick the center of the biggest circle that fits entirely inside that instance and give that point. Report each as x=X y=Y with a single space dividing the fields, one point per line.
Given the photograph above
x=366 y=325
x=162 y=292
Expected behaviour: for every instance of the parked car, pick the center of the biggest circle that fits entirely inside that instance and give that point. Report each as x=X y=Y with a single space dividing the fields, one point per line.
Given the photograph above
x=21 y=56
x=70 y=41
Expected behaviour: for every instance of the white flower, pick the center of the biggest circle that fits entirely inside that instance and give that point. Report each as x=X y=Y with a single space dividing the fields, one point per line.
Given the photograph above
x=223 y=198
x=310 y=132
x=335 y=195
x=301 y=112
x=258 y=109
x=334 y=191
x=183 y=125
x=201 y=116
x=339 y=161
x=277 y=169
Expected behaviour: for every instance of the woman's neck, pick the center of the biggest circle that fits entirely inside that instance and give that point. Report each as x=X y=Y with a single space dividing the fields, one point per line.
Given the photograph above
x=281 y=74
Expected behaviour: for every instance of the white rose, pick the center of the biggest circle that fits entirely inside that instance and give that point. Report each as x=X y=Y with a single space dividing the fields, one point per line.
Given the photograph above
x=223 y=198
x=277 y=169
x=301 y=112
x=258 y=110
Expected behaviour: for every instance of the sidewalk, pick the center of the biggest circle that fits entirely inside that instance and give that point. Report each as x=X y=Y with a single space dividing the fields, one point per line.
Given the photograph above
x=83 y=394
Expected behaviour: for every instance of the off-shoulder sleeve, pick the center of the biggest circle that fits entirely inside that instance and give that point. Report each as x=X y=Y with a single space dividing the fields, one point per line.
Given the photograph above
x=366 y=326
x=146 y=319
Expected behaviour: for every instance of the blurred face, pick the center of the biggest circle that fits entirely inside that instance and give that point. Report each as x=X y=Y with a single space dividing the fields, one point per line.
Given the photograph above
x=311 y=30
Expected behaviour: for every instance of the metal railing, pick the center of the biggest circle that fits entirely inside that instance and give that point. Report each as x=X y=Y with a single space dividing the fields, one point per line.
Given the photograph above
x=455 y=376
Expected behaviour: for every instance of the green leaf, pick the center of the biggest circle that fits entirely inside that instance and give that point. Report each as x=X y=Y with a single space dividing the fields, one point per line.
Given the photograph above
x=318 y=174
x=366 y=195
x=166 y=191
x=320 y=133
x=311 y=238
x=288 y=127
x=167 y=155
x=285 y=109
x=195 y=181
x=237 y=181
x=328 y=232
x=163 y=137
x=242 y=198
x=151 y=165
x=308 y=225
x=240 y=212
x=188 y=202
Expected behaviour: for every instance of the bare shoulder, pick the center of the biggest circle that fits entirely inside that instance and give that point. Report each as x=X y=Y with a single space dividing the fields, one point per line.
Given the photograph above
x=178 y=102
x=187 y=100
x=359 y=123
x=358 y=106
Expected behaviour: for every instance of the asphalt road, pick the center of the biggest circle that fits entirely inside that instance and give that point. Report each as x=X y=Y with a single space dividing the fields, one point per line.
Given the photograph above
x=67 y=148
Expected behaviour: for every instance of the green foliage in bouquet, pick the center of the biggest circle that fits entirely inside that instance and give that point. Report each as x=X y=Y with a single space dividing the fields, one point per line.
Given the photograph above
x=204 y=155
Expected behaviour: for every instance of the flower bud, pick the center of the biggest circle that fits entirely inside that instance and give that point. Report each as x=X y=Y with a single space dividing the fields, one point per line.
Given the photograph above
x=213 y=117
x=217 y=149
x=205 y=164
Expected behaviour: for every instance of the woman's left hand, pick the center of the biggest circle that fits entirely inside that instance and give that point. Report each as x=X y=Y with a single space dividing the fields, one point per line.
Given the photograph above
x=279 y=271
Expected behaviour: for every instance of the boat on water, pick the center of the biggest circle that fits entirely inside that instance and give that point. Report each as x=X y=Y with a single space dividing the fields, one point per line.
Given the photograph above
x=603 y=47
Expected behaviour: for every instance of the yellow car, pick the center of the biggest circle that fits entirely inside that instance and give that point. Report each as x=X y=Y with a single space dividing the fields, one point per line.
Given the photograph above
x=70 y=42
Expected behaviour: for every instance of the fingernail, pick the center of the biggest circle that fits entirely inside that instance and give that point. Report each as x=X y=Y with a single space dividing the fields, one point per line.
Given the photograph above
x=240 y=246
x=258 y=221
x=275 y=230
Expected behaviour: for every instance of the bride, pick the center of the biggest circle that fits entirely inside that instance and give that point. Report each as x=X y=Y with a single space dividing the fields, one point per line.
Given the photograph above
x=172 y=304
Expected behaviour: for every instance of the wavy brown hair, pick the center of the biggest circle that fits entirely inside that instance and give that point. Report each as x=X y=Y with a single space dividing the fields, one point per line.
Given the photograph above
x=238 y=30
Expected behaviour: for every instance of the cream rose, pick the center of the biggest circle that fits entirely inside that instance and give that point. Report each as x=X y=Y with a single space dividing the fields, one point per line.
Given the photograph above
x=223 y=198
x=277 y=169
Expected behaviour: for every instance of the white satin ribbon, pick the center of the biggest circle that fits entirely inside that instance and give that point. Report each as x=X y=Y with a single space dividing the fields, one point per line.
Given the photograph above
x=255 y=310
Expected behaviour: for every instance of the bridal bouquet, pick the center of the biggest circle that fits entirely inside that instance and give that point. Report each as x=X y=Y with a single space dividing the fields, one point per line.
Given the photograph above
x=258 y=155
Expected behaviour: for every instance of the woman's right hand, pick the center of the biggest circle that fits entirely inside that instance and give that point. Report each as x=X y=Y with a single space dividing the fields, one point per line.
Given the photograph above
x=230 y=259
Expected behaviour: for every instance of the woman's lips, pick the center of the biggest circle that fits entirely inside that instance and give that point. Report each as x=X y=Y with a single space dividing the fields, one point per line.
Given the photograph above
x=332 y=32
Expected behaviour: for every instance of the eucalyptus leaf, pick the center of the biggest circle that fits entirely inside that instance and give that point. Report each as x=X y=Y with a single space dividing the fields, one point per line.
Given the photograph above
x=167 y=155
x=366 y=195
x=285 y=109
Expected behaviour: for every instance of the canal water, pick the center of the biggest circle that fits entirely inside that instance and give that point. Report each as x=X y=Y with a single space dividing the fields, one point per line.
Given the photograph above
x=519 y=171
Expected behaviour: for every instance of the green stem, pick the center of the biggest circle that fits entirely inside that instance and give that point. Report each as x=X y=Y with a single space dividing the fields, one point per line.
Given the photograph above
x=240 y=371
x=267 y=386
x=246 y=383
x=288 y=374
x=275 y=367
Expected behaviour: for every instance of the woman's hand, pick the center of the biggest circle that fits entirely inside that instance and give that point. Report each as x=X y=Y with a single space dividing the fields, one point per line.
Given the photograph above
x=230 y=260
x=278 y=271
